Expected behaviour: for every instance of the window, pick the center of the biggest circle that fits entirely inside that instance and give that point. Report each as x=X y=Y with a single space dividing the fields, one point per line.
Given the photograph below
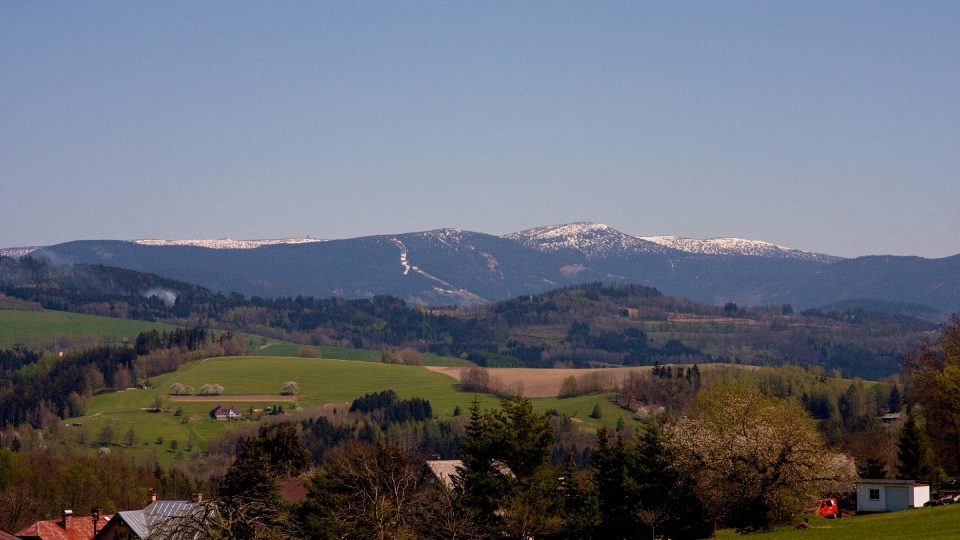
x=875 y=494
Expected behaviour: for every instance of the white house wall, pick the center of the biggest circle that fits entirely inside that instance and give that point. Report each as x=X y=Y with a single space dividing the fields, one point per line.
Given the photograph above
x=864 y=504
x=916 y=496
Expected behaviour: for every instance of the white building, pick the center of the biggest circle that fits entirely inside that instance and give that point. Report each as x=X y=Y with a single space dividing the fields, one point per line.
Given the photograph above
x=890 y=495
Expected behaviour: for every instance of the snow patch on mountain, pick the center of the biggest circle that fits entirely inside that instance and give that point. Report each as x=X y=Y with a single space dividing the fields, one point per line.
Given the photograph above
x=226 y=243
x=592 y=239
x=735 y=246
x=17 y=252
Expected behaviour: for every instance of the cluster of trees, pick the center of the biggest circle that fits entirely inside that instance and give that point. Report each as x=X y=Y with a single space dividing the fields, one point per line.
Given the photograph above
x=190 y=339
x=406 y=356
x=477 y=379
x=52 y=388
x=663 y=386
x=39 y=389
x=591 y=382
x=40 y=484
x=932 y=375
x=389 y=408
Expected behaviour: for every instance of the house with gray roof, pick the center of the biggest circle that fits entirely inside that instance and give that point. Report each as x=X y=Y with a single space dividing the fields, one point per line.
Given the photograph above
x=141 y=524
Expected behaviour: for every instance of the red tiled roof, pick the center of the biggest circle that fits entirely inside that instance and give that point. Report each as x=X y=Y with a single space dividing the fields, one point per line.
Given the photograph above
x=78 y=528
x=293 y=489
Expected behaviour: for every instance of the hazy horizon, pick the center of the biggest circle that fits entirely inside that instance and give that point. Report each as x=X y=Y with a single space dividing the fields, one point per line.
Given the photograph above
x=829 y=127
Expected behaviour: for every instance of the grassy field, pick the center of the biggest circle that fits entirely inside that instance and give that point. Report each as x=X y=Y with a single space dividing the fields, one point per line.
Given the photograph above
x=933 y=523
x=321 y=381
x=258 y=346
x=50 y=330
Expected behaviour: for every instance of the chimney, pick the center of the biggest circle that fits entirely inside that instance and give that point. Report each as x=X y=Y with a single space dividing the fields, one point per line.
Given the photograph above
x=95 y=514
x=65 y=518
x=197 y=498
x=151 y=495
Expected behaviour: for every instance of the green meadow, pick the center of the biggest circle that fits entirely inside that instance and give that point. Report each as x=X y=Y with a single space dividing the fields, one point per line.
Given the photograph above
x=49 y=330
x=930 y=523
x=321 y=381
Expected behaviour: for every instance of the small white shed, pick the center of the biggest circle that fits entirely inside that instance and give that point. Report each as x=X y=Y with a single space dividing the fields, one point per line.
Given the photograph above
x=890 y=495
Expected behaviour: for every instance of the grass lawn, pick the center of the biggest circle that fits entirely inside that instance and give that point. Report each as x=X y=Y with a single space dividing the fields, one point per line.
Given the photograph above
x=49 y=330
x=936 y=522
x=321 y=381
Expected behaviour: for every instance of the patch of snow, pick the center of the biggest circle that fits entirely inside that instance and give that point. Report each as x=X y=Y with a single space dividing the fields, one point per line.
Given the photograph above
x=17 y=252
x=735 y=246
x=403 y=256
x=591 y=239
x=450 y=289
x=226 y=243
x=596 y=240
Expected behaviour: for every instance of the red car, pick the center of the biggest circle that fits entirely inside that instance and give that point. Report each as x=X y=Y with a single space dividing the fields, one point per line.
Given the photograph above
x=828 y=508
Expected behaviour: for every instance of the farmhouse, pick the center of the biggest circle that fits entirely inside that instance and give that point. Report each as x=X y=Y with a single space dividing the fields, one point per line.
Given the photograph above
x=444 y=470
x=225 y=413
x=890 y=495
x=68 y=527
x=148 y=522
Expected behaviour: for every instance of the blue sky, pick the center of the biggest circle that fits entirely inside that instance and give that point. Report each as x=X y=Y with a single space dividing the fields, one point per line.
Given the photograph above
x=831 y=126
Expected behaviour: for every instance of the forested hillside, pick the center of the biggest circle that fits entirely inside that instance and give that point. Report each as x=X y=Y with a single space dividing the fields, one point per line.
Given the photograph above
x=583 y=325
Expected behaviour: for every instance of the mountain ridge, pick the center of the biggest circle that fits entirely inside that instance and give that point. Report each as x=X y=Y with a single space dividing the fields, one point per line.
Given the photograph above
x=456 y=266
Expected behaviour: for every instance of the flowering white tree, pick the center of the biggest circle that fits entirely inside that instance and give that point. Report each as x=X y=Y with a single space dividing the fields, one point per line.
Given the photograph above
x=211 y=389
x=757 y=460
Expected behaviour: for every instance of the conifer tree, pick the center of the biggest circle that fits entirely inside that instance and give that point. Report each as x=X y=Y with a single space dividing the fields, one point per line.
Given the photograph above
x=913 y=453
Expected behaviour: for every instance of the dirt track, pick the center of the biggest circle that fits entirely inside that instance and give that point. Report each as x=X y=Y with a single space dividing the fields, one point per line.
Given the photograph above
x=263 y=398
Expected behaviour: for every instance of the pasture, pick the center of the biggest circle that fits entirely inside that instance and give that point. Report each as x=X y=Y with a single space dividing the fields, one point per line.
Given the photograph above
x=935 y=522
x=48 y=330
x=321 y=381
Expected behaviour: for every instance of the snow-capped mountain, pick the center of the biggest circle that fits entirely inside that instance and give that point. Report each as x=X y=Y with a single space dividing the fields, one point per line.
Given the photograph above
x=226 y=243
x=596 y=240
x=593 y=240
x=735 y=246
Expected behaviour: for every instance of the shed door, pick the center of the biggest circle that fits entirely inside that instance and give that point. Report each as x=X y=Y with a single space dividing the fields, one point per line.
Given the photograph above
x=897 y=498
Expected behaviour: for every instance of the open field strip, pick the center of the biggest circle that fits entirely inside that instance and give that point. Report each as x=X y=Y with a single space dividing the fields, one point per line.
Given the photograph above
x=941 y=522
x=542 y=382
x=321 y=382
x=258 y=398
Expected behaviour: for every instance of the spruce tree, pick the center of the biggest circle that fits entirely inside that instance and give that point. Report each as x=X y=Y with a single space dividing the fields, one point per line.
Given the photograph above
x=596 y=413
x=873 y=467
x=913 y=453
x=609 y=470
x=664 y=498
x=480 y=480
x=895 y=402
